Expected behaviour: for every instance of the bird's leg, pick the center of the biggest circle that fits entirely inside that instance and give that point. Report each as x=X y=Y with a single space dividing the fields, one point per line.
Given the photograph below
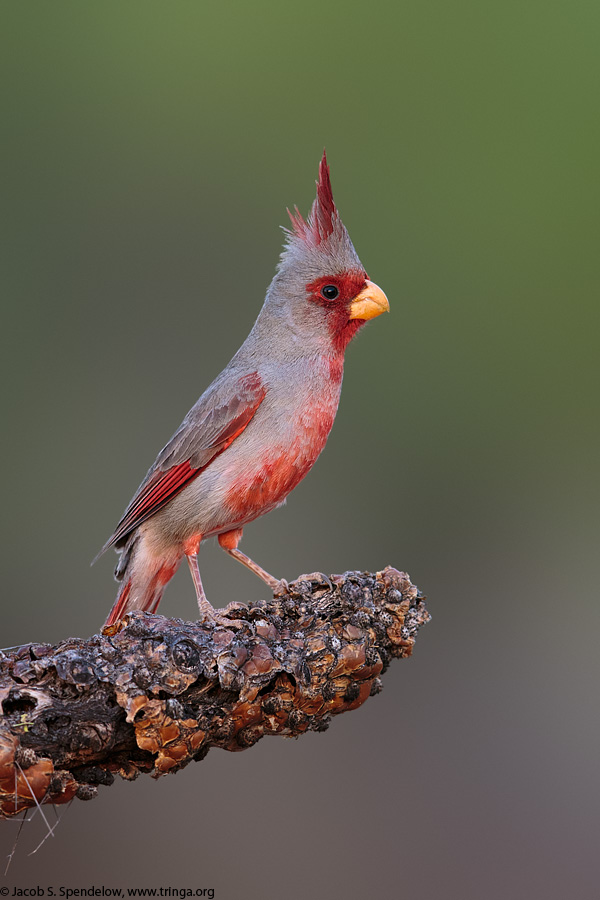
x=229 y=541
x=205 y=608
x=207 y=611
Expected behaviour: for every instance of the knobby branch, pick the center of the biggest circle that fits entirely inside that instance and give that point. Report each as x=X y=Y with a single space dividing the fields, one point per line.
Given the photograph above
x=159 y=693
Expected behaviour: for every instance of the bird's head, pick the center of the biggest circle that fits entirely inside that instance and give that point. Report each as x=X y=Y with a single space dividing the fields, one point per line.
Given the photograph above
x=321 y=288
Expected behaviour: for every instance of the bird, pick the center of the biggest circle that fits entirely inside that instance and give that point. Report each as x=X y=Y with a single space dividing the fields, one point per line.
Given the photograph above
x=259 y=427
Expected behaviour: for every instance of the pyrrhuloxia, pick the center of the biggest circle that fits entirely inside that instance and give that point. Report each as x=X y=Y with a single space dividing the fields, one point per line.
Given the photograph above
x=262 y=423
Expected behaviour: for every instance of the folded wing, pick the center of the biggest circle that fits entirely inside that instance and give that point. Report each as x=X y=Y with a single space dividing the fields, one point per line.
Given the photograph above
x=211 y=426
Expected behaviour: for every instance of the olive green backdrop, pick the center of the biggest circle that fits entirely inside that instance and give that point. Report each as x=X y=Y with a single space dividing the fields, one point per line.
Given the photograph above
x=151 y=151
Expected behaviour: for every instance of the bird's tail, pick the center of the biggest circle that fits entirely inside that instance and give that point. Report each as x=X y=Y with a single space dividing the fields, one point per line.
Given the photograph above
x=143 y=576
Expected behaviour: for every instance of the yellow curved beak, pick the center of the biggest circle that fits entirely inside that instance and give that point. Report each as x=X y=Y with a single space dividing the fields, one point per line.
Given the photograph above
x=369 y=303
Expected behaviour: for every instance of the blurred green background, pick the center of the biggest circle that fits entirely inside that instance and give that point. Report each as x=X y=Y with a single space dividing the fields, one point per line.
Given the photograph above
x=150 y=152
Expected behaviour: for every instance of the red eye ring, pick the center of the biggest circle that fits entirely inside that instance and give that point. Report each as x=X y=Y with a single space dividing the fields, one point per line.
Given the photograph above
x=330 y=292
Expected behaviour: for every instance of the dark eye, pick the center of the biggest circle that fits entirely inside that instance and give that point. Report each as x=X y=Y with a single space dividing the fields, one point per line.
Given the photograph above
x=329 y=292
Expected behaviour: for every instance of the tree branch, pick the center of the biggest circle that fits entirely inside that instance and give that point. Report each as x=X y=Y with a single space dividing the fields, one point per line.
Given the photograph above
x=161 y=692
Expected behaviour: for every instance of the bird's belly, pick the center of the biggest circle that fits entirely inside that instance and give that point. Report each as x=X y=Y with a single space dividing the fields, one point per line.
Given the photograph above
x=260 y=487
x=255 y=493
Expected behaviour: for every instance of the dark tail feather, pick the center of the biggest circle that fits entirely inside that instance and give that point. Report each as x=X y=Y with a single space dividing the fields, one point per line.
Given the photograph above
x=127 y=541
x=125 y=557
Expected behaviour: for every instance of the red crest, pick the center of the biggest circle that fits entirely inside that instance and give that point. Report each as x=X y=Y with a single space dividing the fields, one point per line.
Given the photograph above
x=323 y=215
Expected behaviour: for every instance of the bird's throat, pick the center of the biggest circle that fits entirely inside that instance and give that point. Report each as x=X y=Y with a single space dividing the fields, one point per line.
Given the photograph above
x=341 y=337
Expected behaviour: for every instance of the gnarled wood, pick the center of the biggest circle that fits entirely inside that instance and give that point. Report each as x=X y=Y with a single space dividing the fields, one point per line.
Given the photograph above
x=161 y=692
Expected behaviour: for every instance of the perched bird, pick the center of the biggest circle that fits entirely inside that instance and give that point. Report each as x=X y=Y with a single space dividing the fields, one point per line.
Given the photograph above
x=259 y=427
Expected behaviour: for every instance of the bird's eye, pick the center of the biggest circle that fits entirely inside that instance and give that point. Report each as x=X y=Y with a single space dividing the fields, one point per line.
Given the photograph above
x=329 y=292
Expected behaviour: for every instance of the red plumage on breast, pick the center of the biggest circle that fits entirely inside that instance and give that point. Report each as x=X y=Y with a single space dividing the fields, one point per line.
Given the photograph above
x=282 y=468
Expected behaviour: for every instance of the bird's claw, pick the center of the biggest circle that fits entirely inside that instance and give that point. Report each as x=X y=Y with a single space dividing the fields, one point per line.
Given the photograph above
x=281 y=588
x=226 y=622
x=222 y=620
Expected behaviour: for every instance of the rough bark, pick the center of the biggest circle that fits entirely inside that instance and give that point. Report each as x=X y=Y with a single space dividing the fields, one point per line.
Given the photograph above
x=161 y=692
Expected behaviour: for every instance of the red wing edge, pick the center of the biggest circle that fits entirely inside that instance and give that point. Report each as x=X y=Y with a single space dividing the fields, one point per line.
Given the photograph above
x=162 y=486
